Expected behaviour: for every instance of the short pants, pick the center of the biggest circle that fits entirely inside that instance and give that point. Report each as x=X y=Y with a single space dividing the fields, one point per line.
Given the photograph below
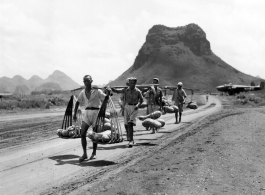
x=130 y=114
x=179 y=105
x=90 y=117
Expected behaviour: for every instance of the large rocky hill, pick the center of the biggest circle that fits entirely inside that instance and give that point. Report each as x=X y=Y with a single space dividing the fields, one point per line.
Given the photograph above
x=13 y=85
x=182 y=54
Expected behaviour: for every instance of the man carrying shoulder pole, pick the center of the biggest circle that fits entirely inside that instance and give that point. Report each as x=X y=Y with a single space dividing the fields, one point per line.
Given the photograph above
x=154 y=97
x=133 y=99
x=179 y=97
x=92 y=99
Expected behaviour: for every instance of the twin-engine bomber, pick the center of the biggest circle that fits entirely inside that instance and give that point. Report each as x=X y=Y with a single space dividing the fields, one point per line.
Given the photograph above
x=235 y=89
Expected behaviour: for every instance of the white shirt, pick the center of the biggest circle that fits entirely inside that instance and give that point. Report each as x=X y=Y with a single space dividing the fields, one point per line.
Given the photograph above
x=96 y=98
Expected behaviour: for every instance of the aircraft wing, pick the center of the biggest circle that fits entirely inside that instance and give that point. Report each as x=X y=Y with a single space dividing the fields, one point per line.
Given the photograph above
x=243 y=87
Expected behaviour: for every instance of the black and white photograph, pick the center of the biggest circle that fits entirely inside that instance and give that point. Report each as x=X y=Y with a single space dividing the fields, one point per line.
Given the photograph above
x=132 y=97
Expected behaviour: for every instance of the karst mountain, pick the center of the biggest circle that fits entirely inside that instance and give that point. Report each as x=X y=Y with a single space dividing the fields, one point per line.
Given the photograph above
x=182 y=54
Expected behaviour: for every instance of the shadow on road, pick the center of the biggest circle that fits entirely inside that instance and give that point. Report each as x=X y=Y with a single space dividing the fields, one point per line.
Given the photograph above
x=110 y=147
x=146 y=139
x=66 y=159
x=145 y=144
x=97 y=163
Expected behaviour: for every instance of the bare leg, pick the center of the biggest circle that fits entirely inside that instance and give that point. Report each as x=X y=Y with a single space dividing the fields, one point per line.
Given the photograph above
x=176 y=117
x=94 y=152
x=130 y=133
x=126 y=129
x=94 y=149
x=84 y=129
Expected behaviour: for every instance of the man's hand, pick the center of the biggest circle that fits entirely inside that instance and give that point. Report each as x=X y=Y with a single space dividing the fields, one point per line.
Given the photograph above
x=74 y=117
x=108 y=90
x=136 y=107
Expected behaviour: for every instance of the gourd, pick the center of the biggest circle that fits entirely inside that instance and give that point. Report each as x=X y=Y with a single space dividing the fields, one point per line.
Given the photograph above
x=154 y=115
x=162 y=121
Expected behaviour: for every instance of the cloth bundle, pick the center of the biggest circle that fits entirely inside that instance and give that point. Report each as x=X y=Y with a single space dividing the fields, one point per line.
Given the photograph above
x=154 y=115
x=152 y=121
x=192 y=105
x=171 y=109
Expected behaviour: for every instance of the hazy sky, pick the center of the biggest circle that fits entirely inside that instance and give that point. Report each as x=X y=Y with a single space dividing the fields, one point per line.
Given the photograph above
x=103 y=37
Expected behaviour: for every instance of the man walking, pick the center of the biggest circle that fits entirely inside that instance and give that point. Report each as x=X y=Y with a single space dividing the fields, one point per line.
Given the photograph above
x=133 y=100
x=93 y=99
x=154 y=97
x=179 y=97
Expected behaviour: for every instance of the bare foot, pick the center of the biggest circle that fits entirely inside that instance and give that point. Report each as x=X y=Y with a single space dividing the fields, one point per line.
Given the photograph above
x=130 y=144
x=82 y=158
x=92 y=157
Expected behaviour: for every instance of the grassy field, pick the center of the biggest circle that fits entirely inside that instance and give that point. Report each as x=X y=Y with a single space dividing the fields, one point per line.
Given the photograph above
x=15 y=104
x=43 y=103
x=251 y=99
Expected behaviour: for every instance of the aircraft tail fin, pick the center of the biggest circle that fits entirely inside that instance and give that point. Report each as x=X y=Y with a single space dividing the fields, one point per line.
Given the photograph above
x=262 y=85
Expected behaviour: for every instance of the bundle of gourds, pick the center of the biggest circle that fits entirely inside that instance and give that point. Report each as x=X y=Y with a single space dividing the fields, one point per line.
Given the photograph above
x=70 y=132
x=107 y=129
x=152 y=121
x=103 y=137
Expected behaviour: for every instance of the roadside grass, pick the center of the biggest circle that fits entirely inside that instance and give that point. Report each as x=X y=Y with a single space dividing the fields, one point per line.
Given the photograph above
x=31 y=103
x=249 y=99
x=17 y=103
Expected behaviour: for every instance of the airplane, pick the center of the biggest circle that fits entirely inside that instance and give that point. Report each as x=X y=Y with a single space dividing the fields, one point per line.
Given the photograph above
x=235 y=89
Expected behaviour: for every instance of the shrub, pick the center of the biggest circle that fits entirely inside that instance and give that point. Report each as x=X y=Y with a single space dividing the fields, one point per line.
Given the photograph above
x=251 y=99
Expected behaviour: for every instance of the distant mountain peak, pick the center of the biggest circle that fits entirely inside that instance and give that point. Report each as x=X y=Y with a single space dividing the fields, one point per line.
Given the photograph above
x=58 y=72
x=34 y=77
x=18 y=77
x=58 y=77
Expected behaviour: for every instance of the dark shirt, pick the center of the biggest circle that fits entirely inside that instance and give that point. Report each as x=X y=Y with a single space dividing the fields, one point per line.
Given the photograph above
x=133 y=96
x=153 y=95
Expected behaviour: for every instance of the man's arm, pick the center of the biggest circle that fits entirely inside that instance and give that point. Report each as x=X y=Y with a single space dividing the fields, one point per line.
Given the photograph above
x=80 y=98
x=141 y=99
x=173 y=96
x=75 y=110
x=185 y=96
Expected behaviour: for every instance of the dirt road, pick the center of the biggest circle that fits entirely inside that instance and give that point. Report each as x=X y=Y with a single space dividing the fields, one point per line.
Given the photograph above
x=223 y=154
x=52 y=167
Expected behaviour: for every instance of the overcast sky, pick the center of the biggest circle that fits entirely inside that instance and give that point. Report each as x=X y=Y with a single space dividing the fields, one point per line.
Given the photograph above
x=103 y=37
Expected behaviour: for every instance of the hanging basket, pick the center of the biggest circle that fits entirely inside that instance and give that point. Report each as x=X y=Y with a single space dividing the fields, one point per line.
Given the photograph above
x=68 y=129
x=107 y=134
